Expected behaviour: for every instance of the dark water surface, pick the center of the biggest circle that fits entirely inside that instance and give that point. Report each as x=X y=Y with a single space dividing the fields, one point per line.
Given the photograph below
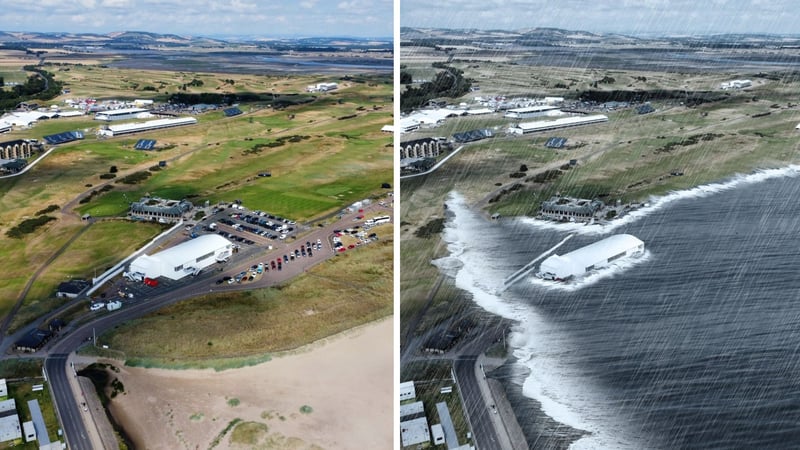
x=696 y=345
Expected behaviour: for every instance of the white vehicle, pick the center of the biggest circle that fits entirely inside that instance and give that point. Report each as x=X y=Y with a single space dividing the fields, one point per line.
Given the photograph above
x=133 y=276
x=111 y=306
x=381 y=219
x=97 y=306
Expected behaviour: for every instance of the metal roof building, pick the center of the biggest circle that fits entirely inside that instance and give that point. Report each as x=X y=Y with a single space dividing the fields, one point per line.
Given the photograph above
x=412 y=410
x=128 y=128
x=121 y=114
x=564 y=122
x=414 y=432
x=593 y=256
x=407 y=391
x=185 y=258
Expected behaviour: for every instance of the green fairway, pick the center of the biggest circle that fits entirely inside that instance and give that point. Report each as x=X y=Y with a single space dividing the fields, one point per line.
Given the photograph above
x=318 y=164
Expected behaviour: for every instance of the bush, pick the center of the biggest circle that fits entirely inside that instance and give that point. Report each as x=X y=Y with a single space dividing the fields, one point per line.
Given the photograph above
x=50 y=208
x=108 y=176
x=28 y=226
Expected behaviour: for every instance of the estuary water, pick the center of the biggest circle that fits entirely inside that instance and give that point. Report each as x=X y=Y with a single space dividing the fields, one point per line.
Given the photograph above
x=694 y=345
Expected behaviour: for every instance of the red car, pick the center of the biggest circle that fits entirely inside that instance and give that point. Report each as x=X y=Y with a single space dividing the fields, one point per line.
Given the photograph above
x=150 y=282
x=351 y=246
x=342 y=249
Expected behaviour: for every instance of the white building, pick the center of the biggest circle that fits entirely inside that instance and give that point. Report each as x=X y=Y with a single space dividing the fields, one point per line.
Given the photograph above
x=530 y=111
x=593 y=256
x=10 y=428
x=408 y=124
x=407 y=391
x=438 y=434
x=412 y=409
x=322 y=87
x=564 y=122
x=29 y=431
x=185 y=258
x=414 y=432
x=3 y=388
x=122 y=114
x=129 y=128
x=735 y=84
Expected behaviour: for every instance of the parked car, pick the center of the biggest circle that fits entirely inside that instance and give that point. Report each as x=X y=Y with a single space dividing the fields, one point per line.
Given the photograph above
x=97 y=306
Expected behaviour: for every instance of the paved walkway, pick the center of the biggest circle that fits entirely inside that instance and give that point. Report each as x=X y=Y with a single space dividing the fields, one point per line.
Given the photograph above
x=503 y=419
x=97 y=425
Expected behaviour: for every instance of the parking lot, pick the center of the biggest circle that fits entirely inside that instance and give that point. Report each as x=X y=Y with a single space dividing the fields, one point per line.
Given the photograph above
x=268 y=250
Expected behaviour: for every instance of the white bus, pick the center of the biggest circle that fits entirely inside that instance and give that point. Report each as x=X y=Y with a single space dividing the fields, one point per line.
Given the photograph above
x=379 y=220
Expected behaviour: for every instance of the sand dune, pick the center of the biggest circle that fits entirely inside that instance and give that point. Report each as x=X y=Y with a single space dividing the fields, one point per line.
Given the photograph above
x=335 y=394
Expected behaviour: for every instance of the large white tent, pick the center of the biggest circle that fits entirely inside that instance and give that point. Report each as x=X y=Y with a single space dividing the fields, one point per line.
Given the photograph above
x=185 y=258
x=593 y=256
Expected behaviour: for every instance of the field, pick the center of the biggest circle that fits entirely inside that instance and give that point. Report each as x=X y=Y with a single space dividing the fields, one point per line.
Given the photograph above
x=240 y=328
x=318 y=163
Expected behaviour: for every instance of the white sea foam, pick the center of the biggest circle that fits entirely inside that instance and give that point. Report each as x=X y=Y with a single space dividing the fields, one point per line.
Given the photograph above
x=554 y=381
x=617 y=267
x=660 y=202
x=565 y=394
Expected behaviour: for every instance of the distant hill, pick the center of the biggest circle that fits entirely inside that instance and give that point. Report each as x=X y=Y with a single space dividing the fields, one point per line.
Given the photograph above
x=144 y=39
x=559 y=37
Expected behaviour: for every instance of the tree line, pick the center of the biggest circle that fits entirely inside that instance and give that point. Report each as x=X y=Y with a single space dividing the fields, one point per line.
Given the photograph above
x=449 y=82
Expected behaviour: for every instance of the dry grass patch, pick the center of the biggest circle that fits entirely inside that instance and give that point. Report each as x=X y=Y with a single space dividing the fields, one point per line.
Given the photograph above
x=344 y=292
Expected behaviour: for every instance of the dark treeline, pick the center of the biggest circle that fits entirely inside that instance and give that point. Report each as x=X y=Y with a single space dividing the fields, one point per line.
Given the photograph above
x=687 y=97
x=38 y=87
x=449 y=82
x=278 y=101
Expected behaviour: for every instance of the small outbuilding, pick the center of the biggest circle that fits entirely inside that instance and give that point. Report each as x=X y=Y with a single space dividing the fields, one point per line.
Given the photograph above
x=71 y=288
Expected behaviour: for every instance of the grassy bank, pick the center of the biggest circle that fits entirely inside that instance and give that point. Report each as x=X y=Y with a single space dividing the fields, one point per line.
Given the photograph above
x=234 y=329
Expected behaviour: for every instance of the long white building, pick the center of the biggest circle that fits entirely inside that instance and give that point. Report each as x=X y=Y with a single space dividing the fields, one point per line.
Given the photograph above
x=593 y=256
x=122 y=114
x=564 y=122
x=185 y=258
x=129 y=128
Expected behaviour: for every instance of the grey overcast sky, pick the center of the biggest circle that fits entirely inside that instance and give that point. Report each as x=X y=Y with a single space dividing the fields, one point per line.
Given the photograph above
x=635 y=17
x=364 y=18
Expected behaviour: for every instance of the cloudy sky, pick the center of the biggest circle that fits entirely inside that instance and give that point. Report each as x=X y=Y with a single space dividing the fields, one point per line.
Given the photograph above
x=366 y=18
x=634 y=17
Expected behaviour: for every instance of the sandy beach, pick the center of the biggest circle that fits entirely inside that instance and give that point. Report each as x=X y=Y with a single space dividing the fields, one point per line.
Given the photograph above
x=333 y=394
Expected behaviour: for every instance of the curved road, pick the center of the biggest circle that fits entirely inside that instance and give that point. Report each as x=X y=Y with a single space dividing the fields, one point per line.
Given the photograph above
x=59 y=372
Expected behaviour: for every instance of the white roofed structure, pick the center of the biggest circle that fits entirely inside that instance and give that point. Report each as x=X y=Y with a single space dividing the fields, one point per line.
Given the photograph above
x=185 y=258
x=564 y=122
x=593 y=256
x=407 y=391
x=121 y=114
x=128 y=128
x=413 y=432
x=529 y=111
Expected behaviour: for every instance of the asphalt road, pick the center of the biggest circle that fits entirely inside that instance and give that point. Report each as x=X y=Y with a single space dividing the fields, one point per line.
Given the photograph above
x=479 y=415
x=58 y=370
x=68 y=408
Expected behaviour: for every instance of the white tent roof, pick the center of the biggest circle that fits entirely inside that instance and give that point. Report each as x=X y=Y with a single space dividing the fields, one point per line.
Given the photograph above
x=192 y=249
x=576 y=261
